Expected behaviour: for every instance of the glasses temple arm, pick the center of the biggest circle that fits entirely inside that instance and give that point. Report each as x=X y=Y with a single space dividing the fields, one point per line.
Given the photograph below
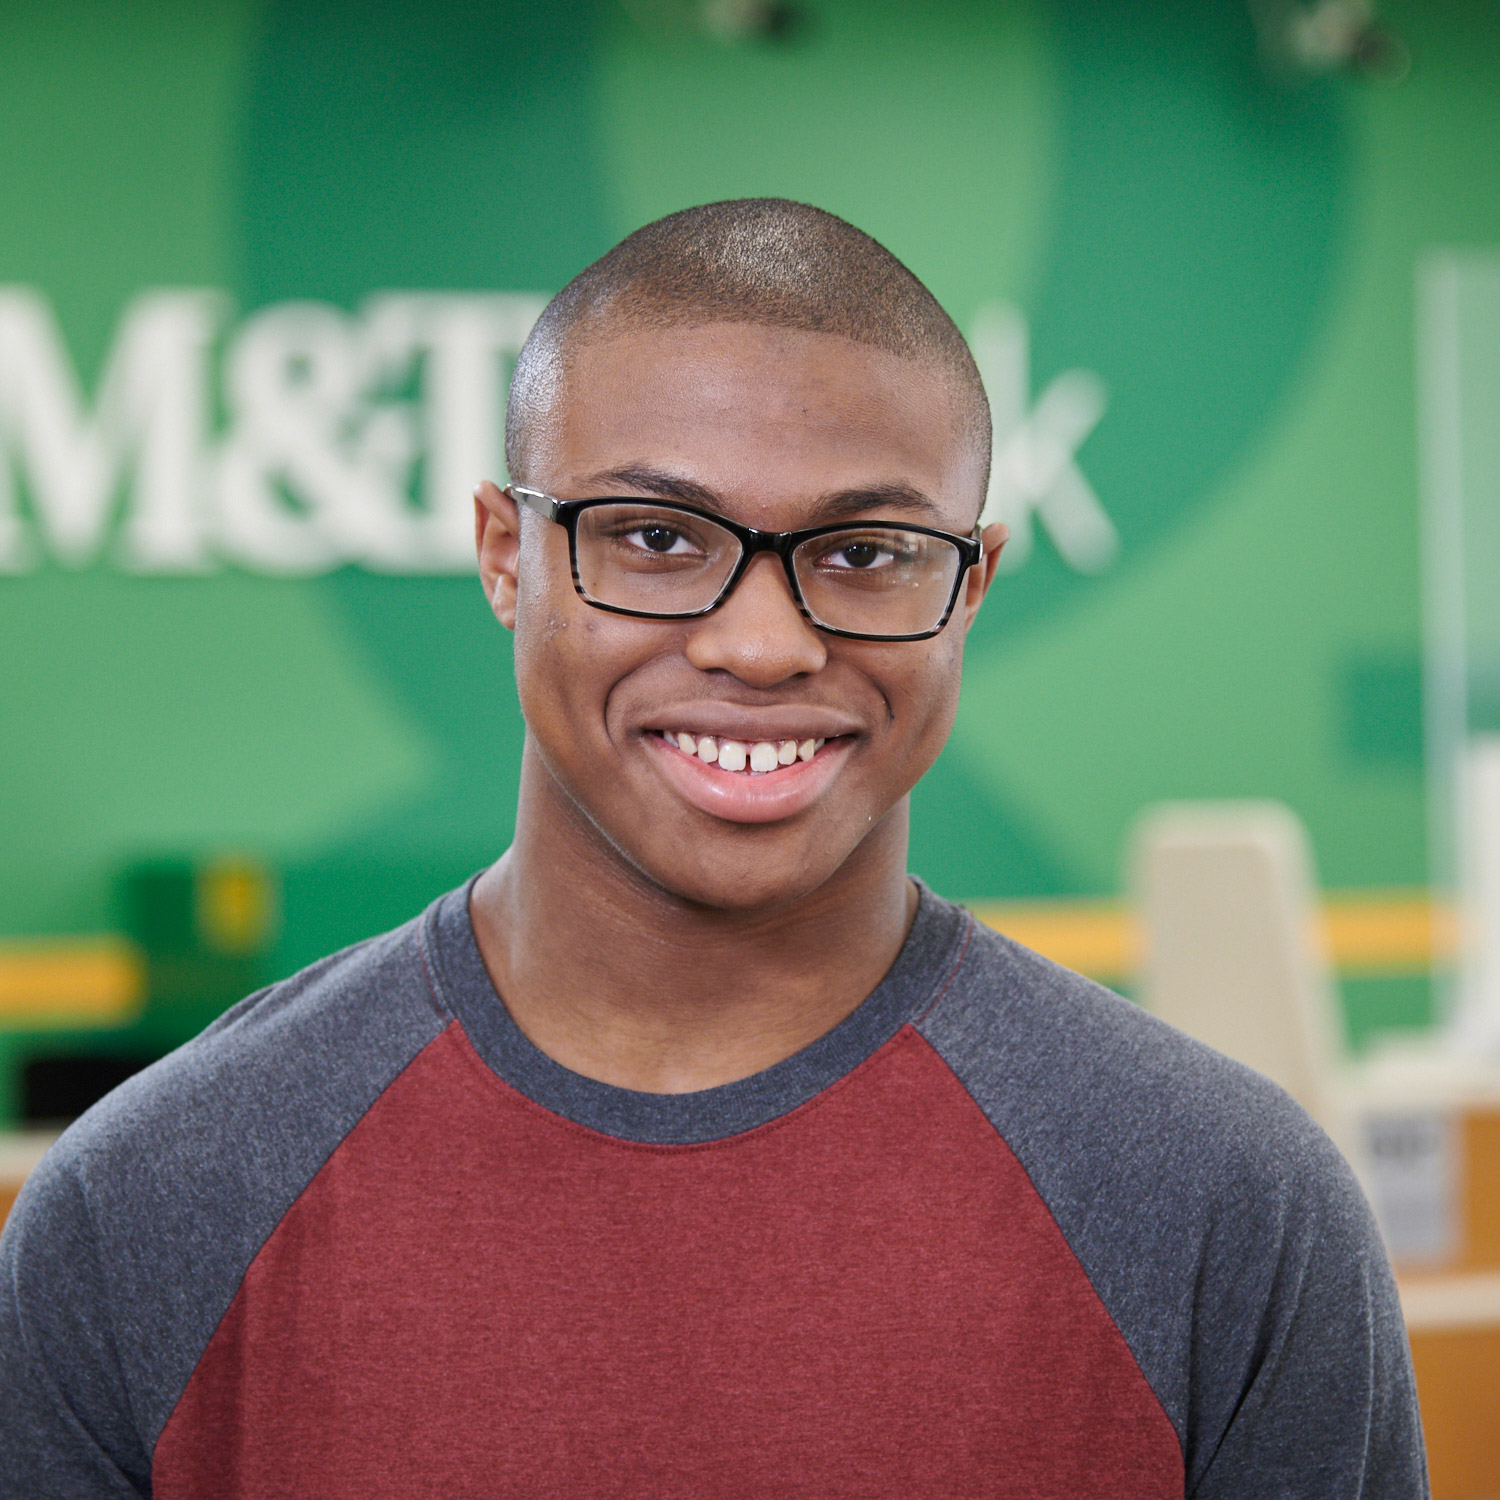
x=543 y=505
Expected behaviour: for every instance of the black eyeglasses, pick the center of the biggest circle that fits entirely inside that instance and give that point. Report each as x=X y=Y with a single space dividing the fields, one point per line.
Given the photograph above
x=872 y=580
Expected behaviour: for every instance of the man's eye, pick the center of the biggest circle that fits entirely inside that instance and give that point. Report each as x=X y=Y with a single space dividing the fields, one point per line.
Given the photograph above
x=857 y=555
x=661 y=539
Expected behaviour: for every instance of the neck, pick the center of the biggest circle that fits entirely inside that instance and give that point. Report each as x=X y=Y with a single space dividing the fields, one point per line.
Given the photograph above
x=616 y=978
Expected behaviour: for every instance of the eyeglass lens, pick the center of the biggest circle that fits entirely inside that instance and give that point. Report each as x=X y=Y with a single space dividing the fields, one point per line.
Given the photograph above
x=863 y=579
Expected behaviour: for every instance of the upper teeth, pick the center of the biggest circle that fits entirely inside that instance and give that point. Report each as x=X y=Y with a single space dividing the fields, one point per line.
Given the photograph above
x=733 y=755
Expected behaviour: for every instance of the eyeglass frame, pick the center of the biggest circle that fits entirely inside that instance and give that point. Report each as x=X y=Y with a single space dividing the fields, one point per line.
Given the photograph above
x=752 y=542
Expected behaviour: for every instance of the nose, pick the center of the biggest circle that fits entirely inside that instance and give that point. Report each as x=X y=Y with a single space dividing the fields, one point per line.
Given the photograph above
x=758 y=634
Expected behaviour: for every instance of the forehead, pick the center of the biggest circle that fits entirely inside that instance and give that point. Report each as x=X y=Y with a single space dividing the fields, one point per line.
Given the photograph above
x=767 y=418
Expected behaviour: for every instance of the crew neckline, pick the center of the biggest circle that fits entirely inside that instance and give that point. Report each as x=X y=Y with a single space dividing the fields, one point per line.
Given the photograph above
x=921 y=968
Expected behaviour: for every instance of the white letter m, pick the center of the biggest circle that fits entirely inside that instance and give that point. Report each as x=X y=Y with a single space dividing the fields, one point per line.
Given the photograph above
x=151 y=412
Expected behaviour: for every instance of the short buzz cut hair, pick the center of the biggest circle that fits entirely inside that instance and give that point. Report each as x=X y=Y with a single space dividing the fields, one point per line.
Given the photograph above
x=768 y=261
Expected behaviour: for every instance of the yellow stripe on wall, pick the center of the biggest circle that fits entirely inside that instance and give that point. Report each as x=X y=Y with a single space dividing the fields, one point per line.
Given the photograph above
x=1388 y=932
x=94 y=981
x=1367 y=934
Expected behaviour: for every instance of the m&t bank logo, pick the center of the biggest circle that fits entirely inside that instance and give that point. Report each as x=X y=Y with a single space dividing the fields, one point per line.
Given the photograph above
x=307 y=438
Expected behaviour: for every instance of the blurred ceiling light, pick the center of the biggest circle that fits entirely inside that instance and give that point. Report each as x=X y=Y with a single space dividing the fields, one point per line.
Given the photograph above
x=737 y=20
x=1311 y=37
x=724 y=20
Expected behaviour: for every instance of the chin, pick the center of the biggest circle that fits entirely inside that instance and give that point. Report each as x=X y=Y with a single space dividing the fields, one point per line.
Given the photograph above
x=740 y=882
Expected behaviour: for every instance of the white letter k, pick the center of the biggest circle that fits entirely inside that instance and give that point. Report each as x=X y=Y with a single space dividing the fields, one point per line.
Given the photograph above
x=1033 y=469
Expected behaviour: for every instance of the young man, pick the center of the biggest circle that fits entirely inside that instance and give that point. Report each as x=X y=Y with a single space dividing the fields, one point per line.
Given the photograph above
x=692 y=1149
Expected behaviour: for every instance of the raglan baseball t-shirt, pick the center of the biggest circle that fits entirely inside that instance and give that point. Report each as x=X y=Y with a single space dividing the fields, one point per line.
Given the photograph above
x=998 y=1233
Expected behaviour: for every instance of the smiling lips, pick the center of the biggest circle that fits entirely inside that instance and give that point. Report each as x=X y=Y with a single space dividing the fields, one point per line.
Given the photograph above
x=755 y=759
x=749 y=781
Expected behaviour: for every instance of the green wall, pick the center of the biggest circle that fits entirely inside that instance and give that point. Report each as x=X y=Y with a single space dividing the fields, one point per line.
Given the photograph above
x=1231 y=254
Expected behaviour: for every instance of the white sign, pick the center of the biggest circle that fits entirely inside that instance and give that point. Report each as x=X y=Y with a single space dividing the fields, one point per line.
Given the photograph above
x=346 y=438
x=1414 y=1177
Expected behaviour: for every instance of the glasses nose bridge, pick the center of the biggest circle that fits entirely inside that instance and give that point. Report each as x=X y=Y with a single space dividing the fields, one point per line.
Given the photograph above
x=752 y=544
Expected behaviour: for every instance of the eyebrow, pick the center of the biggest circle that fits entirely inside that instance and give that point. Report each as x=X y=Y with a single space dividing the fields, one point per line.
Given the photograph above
x=658 y=482
x=837 y=504
x=834 y=505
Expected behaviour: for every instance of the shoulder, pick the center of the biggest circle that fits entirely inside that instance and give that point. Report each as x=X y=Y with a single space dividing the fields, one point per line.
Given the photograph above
x=1058 y=1061
x=319 y=1045
x=1220 y=1227
x=151 y=1206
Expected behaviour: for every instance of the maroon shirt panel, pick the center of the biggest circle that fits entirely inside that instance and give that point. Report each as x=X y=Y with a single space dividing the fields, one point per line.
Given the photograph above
x=476 y=1297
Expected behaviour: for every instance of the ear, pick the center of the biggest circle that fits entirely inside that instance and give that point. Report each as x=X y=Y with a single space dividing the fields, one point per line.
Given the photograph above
x=497 y=538
x=982 y=574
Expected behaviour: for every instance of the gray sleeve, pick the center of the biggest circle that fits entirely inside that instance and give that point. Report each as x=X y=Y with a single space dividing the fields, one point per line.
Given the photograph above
x=130 y=1240
x=1320 y=1399
x=66 y=1428
x=1221 y=1229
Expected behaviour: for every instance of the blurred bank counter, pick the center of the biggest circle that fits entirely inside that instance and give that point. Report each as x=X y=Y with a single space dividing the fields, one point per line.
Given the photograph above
x=1235 y=946
x=20 y=1151
x=80 y=1014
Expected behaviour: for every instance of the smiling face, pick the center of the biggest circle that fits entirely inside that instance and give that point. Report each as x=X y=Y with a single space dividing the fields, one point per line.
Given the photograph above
x=776 y=429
